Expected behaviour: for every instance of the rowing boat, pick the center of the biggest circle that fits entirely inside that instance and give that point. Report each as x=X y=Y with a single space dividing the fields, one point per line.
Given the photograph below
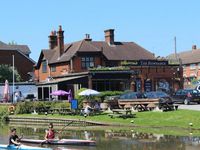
x=21 y=147
x=60 y=142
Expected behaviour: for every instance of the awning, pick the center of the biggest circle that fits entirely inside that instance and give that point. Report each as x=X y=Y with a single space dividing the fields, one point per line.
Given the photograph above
x=55 y=81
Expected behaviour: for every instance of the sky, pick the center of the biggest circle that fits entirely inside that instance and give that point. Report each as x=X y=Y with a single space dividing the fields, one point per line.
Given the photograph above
x=152 y=24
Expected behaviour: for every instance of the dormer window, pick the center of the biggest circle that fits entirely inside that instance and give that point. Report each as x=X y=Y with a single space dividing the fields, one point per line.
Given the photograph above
x=87 y=62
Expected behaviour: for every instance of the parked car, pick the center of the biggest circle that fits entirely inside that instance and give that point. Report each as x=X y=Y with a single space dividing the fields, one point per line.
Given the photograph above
x=186 y=96
x=132 y=95
x=162 y=96
x=198 y=87
x=165 y=100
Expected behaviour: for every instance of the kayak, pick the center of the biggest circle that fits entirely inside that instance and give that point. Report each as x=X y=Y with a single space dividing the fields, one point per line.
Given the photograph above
x=60 y=142
x=21 y=147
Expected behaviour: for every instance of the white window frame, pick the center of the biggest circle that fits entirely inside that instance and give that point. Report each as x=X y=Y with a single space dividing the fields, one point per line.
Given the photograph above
x=192 y=66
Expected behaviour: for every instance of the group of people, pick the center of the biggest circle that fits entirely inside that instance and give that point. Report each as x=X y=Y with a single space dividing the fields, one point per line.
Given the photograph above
x=88 y=109
x=14 y=139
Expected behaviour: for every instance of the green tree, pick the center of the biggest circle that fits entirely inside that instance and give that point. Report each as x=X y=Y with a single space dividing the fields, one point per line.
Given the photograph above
x=6 y=73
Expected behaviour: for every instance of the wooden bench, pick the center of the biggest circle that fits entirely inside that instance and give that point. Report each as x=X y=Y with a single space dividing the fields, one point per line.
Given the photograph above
x=123 y=113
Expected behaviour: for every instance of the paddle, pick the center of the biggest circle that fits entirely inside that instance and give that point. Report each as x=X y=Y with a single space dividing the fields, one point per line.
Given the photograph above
x=64 y=128
x=47 y=141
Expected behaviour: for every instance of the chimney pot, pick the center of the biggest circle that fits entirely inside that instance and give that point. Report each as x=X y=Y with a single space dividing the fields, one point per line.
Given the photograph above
x=109 y=36
x=87 y=37
x=194 y=47
x=60 y=39
x=52 y=40
x=60 y=28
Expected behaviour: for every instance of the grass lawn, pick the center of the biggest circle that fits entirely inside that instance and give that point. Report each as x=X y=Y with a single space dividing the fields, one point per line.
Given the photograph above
x=179 y=118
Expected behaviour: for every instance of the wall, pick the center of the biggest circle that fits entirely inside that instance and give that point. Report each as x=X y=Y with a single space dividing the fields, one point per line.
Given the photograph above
x=25 y=88
x=23 y=64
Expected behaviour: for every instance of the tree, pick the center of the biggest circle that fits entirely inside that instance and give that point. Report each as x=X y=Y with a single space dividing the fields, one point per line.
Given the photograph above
x=6 y=73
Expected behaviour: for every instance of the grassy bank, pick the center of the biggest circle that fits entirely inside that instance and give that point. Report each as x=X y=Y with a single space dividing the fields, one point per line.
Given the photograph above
x=168 y=123
x=180 y=118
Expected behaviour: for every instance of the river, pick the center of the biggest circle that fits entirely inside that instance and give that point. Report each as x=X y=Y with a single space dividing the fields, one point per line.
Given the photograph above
x=112 y=139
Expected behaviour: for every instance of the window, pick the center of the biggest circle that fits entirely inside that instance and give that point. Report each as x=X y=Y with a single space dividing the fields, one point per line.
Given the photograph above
x=87 y=62
x=53 y=68
x=44 y=66
x=192 y=66
x=184 y=67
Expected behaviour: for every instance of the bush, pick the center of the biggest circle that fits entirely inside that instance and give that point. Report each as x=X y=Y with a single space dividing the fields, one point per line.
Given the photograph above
x=3 y=113
x=24 y=107
x=105 y=94
x=98 y=98
x=80 y=98
x=28 y=107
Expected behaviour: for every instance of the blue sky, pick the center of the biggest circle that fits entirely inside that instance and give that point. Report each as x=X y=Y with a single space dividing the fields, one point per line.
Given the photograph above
x=151 y=24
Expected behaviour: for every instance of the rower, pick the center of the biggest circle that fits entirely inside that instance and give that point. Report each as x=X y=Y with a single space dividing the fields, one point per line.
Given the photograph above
x=50 y=133
x=14 y=139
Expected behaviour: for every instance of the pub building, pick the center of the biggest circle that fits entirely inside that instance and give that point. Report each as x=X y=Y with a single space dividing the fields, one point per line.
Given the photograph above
x=141 y=75
x=107 y=65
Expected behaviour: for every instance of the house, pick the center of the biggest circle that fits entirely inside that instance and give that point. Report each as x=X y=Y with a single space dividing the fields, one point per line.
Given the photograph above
x=75 y=65
x=190 y=61
x=21 y=56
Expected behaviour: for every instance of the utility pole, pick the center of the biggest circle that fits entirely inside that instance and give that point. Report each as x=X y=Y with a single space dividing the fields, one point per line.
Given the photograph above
x=175 y=48
x=13 y=59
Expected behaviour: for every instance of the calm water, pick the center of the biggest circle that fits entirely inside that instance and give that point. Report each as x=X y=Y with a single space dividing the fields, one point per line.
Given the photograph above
x=109 y=140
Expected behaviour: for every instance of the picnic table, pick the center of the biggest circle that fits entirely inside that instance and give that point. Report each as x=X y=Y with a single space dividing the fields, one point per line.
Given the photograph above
x=123 y=113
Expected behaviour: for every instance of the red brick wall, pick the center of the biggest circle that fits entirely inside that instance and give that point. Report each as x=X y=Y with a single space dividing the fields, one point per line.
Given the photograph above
x=188 y=71
x=22 y=64
x=61 y=69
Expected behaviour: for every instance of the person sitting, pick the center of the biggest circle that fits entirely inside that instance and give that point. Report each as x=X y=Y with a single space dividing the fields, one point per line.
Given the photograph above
x=97 y=106
x=50 y=133
x=14 y=139
x=87 y=110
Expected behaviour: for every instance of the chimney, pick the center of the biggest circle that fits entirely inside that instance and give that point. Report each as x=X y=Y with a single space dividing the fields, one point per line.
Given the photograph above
x=60 y=39
x=87 y=37
x=52 y=40
x=109 y=36
x=194 y=47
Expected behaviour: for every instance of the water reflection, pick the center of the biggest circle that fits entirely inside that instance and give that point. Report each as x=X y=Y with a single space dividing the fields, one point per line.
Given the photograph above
x=112 y=140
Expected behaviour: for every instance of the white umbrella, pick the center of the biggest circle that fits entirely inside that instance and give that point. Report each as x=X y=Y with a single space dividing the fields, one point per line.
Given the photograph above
x=89 y=92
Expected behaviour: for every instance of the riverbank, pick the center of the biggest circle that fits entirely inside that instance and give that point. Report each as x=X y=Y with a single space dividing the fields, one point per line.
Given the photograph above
x=185 y=119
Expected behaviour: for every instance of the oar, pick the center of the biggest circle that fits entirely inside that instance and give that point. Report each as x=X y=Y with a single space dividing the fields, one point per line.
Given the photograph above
x=65 y=127
x=47 y=141
x=18 y=146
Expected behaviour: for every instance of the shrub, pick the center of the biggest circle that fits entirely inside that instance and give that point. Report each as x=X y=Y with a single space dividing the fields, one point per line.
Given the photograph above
x=80 y=98
x=4 y=113
x=98 y=98
x=24 y=107
x=104 y=94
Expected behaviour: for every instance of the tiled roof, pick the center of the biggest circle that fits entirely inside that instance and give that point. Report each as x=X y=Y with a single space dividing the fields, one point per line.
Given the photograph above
x=23 y=48
x=187 y=57
x=118 y=51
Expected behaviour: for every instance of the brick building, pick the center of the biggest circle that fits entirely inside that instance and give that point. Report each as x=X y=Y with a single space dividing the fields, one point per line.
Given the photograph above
x=66 y=66
x=190 y=61
x=23 y=63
